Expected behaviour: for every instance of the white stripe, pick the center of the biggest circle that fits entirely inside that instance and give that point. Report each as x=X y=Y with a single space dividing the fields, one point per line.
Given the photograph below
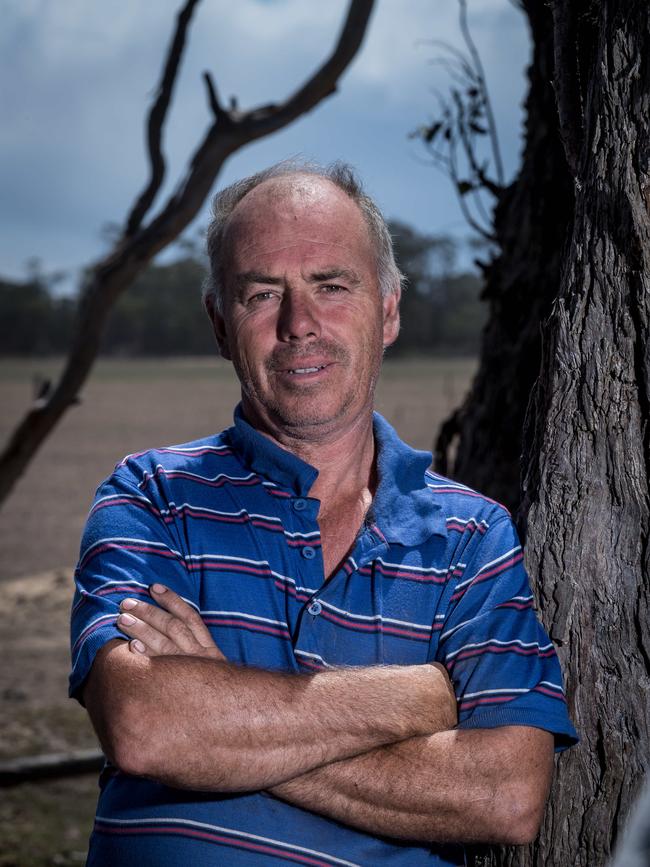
x=298 y=588
x=377 y=618
x=498 y=642
x=487 y=566
x=314 y=656
x=245 y=616
x=227 y=559
x=454 y=485
x=99 y=619
x=87 y=630
x=557 y=686
x=421 y=570
x=159 y=469
x=490 y=692
x=124 y=540
x=314 y=533
x=471 y=520
x=173 y=507
x=129 y=581
x=237 y=833
x=182 y=449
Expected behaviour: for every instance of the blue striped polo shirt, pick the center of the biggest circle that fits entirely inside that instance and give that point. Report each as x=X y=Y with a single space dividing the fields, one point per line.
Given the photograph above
x=435 y=574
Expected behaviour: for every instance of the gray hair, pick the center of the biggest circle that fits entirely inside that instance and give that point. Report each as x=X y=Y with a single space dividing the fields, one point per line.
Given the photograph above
x=342 y=176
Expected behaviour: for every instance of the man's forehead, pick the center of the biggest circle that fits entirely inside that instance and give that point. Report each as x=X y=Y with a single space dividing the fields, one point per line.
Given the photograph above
x=293 y=197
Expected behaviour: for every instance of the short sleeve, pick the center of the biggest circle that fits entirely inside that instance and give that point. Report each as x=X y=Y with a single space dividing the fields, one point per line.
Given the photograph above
x=128 y=544
x=501 y=661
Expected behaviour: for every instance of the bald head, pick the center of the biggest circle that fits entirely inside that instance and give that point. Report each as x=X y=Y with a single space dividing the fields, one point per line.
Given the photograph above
x=291 y=190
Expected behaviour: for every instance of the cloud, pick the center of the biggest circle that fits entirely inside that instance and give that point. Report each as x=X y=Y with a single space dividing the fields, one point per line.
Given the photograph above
x=83 y=72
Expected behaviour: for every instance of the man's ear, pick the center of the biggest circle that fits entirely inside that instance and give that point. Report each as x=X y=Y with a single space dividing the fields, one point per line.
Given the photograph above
x=390 y=305
x=219 y=328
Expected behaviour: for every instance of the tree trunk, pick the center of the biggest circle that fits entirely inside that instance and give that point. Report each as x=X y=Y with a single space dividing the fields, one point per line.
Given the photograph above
x=531 y=224
x=587 y=437
x=587 y=454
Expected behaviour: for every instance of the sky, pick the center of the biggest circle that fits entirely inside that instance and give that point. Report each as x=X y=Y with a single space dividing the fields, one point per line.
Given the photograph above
x=76 y=79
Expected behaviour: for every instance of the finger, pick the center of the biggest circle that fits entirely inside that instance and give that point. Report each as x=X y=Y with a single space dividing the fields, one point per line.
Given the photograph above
x=158 y=630
x=177 y=606
x=136 y=646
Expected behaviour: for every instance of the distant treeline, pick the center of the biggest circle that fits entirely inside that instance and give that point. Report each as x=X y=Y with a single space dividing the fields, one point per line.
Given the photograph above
x=161 y=314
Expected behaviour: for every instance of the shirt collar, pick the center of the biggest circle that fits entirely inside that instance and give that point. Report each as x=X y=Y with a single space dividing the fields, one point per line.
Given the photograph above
x=404 y=508
x=267 y=459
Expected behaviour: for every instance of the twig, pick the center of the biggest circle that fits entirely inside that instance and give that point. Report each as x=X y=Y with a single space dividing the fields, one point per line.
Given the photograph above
x=476 y=57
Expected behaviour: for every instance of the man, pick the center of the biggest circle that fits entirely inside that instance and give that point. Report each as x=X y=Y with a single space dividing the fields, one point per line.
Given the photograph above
x=299 y=590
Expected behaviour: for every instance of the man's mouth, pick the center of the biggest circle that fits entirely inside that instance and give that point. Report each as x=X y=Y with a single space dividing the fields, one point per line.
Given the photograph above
x=299 y=370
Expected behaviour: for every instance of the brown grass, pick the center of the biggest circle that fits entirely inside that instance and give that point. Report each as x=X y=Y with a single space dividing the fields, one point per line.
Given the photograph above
x=127 y=406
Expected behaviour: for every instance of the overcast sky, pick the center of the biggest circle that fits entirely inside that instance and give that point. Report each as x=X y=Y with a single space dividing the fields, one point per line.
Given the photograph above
x=76 y=77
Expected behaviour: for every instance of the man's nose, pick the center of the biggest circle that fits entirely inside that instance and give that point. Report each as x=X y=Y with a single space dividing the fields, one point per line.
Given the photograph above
x=298 y=317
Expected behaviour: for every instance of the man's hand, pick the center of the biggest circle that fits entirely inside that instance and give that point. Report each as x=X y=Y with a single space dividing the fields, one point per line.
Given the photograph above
x=174 y=628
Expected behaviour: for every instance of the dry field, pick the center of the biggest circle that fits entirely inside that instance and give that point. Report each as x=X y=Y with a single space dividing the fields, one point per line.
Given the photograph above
x=127 y=406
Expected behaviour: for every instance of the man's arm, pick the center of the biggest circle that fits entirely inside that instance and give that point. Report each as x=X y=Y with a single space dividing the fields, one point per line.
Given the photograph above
x=192 y=720
x=466 y=786
x=482 y=785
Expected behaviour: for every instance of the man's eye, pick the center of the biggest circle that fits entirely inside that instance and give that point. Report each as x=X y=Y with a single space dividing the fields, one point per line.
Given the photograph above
x=260 y=296
x=333 y=288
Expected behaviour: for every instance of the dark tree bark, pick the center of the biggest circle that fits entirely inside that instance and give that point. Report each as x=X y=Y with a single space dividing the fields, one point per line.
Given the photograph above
x=230 y=130
x=587 y=440
x=531 y=224
x=586 y=446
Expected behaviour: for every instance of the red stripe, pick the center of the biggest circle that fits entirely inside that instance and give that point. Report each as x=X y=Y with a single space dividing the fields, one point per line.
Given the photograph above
x=552 y=693
x=477 y=651
x=215 y=838
x=271 y=630
x=483 y=576
x=491 y=700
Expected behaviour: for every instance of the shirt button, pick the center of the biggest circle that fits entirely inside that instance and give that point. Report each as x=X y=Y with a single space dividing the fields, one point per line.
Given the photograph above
x=315 y=608
x=299 y=505
x=308 y=552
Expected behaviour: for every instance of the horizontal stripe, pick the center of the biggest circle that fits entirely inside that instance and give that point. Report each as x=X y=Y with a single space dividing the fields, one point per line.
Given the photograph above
x=486 y=575
x=211 y=481
x=185 y=451
x=525 y=645
x=218 y=834
x=462 y=524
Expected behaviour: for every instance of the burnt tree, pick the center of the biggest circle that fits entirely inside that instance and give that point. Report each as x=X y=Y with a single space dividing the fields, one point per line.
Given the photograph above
x=585 y=503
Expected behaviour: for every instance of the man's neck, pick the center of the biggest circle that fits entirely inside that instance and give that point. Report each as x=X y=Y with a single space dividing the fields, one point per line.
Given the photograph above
x=344 y=459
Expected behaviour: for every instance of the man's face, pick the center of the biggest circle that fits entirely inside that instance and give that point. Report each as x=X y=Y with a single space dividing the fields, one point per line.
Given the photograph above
x=303 y=319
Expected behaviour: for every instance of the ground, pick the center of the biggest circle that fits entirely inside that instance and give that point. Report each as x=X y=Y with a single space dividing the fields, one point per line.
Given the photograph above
x=126 y=407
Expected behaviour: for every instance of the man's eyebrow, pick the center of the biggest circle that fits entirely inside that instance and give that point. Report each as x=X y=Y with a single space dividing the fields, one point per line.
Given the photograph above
x=247 y=277
x=335 y=274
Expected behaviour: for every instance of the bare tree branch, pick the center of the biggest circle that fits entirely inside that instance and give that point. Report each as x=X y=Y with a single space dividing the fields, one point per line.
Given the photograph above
x=110 y=276
x=478 y=66
x=157 y=117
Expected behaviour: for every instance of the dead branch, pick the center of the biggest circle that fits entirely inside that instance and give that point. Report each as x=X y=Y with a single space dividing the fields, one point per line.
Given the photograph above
x=113 y=274
x=157 y=117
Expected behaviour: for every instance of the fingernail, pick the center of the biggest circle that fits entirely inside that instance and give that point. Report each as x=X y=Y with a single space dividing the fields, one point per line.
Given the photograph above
x=158 y=588
x=127 y=604
x=137 y=646
x=126 y=619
